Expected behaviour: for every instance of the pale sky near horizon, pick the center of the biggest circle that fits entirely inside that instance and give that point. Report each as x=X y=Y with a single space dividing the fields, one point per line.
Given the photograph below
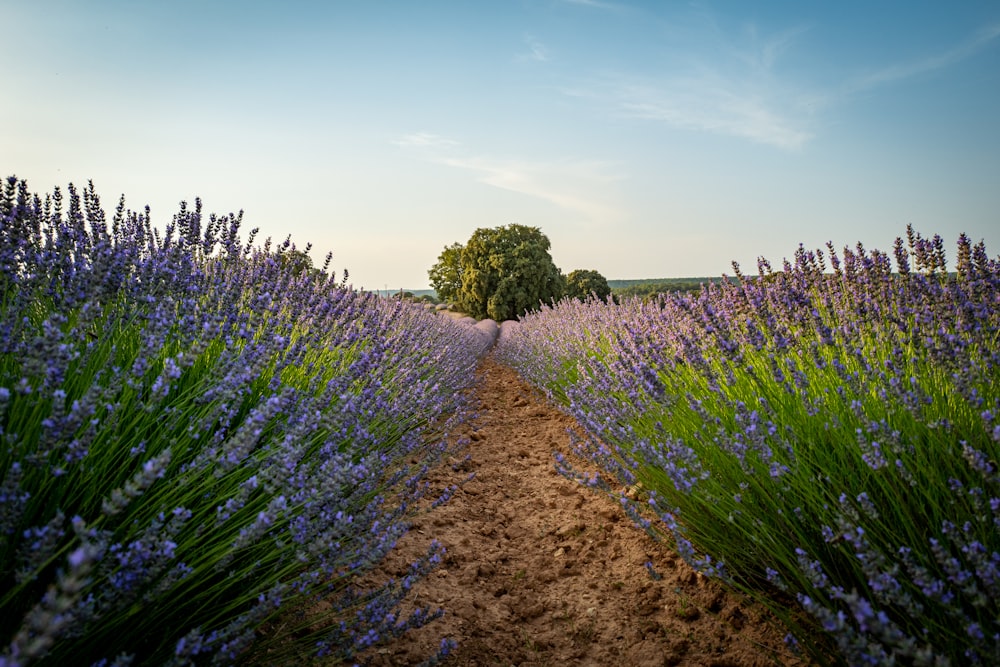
x=645 y=139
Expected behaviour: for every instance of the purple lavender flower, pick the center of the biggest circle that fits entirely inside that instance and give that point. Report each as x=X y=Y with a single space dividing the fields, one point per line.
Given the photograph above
x=875 y=387
x=211 y=420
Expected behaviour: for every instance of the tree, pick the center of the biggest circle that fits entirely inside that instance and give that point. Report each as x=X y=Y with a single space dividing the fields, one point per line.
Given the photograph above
x=446 y=275
x=296 y=261
x=581 y=283
x=503 y=272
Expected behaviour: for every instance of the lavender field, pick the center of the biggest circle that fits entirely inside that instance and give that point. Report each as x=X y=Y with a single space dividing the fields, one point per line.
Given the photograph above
x=824 y=437
x=206 y=446
x=201 y=446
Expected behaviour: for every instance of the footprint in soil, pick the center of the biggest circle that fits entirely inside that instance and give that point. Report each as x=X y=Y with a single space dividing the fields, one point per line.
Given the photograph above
x=542 y=571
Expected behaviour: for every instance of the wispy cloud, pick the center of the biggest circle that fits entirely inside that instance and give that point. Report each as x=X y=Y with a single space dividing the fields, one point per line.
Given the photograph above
x=585 y=187
x=536 y=50
x=734 y=83
x=763 y=53
x=711 y=103
x=931 y=63
x=713 y=82
x=875 y=78
x=424 y=140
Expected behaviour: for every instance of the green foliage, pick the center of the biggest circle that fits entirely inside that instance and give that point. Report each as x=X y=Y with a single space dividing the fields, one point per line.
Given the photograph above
x=501 y=273
x=648 y=288
x=446 y=275
x=825 y=442
x=583 y=283
x=296 y=261
x=204 y=450
x=506 y=272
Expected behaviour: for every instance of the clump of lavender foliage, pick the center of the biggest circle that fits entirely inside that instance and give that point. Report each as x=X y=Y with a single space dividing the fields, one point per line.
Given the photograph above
x=825 y=437
x=197 y=441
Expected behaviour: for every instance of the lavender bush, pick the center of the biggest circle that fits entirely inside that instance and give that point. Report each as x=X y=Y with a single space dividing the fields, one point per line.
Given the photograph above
x=823 y=437
x=201 y=448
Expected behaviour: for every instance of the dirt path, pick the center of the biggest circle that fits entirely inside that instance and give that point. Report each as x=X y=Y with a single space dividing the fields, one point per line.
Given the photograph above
x=540 y=571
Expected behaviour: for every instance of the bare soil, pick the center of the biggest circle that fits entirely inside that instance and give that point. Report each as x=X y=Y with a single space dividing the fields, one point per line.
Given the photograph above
x=540 y=570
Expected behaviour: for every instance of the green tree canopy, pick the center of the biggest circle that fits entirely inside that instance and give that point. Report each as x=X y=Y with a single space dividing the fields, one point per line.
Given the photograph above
x=503 y=272
x=446 y=275
x=296 y=260
x=507 y=271
x=581 y=283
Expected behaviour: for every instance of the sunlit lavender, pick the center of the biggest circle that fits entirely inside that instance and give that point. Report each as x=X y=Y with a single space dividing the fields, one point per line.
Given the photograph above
x=824 y=436
x=205 y=441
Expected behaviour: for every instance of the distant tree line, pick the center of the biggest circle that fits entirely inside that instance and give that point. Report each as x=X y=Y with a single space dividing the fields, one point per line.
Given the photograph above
x=646 y=288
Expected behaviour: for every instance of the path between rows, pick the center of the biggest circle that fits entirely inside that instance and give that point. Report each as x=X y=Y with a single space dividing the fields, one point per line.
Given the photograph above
x=542 y=571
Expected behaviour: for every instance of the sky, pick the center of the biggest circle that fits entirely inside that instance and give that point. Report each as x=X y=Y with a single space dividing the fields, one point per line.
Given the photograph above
x=645 y=139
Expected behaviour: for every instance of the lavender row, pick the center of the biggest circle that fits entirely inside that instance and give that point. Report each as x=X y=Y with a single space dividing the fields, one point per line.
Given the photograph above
x=824 y=436
x=203 y=445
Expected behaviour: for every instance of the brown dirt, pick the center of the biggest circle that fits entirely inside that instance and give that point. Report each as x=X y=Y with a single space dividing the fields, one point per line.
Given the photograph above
x=542 y=571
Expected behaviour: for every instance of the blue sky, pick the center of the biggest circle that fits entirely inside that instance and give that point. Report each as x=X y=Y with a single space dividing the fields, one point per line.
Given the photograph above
x=645 y=139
